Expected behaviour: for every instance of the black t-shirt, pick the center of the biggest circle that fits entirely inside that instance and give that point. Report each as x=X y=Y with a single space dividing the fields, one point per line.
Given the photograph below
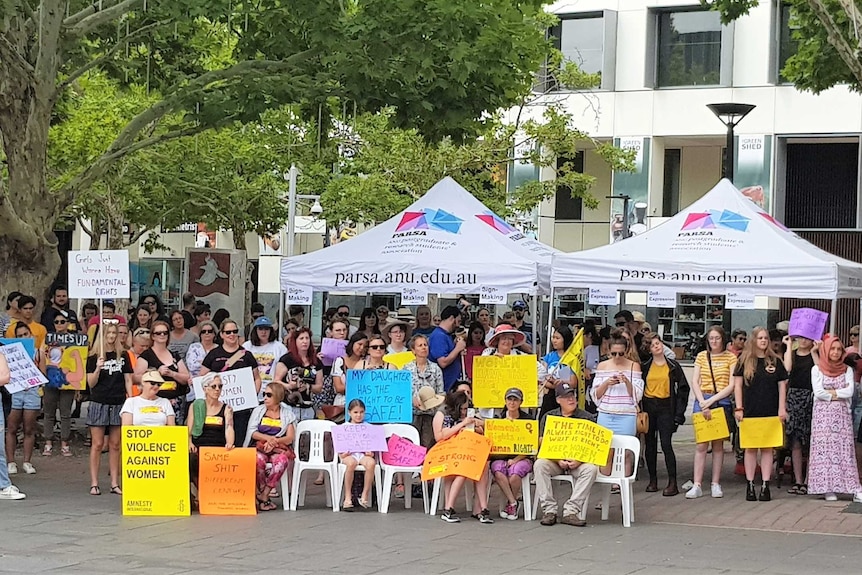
x=110 y=389
x=307 y=373
x=800 y=373
x=760 y=394
x=188 y=319
x=217 y=358
x=170 y=389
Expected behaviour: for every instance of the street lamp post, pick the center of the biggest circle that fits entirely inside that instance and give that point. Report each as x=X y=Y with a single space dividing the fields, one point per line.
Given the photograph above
x=730 y=115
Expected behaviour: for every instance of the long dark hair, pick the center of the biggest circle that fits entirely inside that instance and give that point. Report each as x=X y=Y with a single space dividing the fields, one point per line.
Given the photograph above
x=473 y=326
x=568 y=337
x=453 y=403
x=368 y=312
x=356 y=337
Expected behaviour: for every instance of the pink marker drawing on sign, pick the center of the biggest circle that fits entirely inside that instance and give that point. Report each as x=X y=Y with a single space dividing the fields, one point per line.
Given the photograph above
x=403 y=453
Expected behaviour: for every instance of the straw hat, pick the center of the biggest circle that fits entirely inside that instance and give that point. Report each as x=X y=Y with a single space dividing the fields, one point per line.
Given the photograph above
x=428 y=399
x=384 y=331
x=503 y=329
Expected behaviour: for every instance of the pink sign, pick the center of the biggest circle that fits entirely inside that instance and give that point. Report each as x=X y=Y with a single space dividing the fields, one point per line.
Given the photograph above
x=404 y=453
x=358 y=438
x=331 y=349
x=807 y=322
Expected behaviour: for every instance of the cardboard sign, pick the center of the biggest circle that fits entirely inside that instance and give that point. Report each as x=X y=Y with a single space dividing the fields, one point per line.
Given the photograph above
x=238 y=391
x=28 y=342
x=414 y=296
x=604 y=296
x=99 y=274
x=491 y=295
x=807 y=322
x=662 y=298
x=22 y=371
x=493 y=375
x=155 y=462
x=513 y=437
x=387 y=394
x=299 y=295
x=226 y=484
x=466 y=455
x=331 y=349
x=403 y=453
x=67 y=360
x=714 y=428
x=576 y=439
x=761 y=433
x=359 y=438
x=399 y=359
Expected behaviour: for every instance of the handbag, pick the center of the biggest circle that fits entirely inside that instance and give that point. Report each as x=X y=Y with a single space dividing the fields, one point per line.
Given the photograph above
x=642 y=425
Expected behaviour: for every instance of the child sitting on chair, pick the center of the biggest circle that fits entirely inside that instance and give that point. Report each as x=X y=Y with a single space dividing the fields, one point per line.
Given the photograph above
x=356 y=416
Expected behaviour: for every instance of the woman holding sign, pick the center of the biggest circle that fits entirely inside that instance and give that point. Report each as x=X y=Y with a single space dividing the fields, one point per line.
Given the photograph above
x=272 y=428
x=510 y=470
x=760 y=389
x=148 y=409
x=26 y=405
x=300 y=372
x=800 y=401
x=169 y=365
x=210 y=423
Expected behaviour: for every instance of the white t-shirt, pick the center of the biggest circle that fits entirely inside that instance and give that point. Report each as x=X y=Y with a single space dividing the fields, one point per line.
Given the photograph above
x=148 y=412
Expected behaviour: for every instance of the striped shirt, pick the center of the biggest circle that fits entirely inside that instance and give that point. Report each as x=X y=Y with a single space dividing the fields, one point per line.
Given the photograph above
x=616 y=399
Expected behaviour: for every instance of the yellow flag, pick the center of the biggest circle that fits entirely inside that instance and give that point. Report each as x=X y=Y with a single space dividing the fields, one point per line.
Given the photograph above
x=574 y=358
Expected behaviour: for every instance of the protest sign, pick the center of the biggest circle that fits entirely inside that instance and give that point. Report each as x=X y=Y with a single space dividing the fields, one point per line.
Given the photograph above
x=386 y=393
x=226 y=484
x=28 y=342
x=493 y=375
x=513 y=437
x=67 y=360
x=577 y=439
x=23 y=373
x=761 y=433
x=403 y=452
x=807 y=322
x=712 y=429
x=331 y=349
x=466 y=455
x=99 y=274
x=358 y=438
x=399 y=359
x=156 y=471
x=238 y=391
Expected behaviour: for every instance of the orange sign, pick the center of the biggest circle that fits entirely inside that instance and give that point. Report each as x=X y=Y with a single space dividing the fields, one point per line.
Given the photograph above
x=466 y=455
x=227 y=481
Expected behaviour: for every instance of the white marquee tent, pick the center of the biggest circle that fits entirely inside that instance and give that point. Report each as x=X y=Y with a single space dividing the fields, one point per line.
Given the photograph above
x=445 y=242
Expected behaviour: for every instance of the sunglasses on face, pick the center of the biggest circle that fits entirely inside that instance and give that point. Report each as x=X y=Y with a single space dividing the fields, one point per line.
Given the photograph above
x=376 y=347
x=230 y=331
x=620 y=324
x=616 y=354
x=216 y=386
x=854 y=335
x=645 y=330
x=207 y=332
x=343 y=313
x=160 y=333
x=60 y=322
x=267 y=394
x=155 y=383
x=110 y=321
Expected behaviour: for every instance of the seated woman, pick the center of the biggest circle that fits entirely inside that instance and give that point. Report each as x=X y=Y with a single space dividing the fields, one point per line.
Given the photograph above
x=210 y=422
x=148 y=409
x=356 y=413
x=509 y=471
x=271 y=428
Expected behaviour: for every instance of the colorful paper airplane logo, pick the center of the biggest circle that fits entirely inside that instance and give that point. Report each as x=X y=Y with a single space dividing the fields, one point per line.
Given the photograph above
x=774 y=222
x=429 y=219
x=497 y=223
x=715 y=219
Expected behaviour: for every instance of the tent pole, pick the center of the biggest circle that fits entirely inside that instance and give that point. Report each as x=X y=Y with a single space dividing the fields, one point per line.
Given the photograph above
x=535 y=318
x=550 y=319
x=833 y=316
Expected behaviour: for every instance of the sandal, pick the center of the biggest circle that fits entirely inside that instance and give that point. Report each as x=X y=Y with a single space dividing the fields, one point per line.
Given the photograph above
x=347 y=506
x=94 y=490
x=266 y=505
x=803 y=490
x=364 y=504
x=318 y=481
x=116 y=490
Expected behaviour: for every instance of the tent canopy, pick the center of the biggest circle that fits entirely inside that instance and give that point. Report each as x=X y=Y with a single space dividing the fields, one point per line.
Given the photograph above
x=723 y=243
x=445 y=242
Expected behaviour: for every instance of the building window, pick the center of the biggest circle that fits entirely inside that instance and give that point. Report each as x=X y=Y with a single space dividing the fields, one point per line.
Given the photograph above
x=588 y=40
x=787 y=45
x=672 y=174
x=565 y=206
x=821 y=185
x=689 y=48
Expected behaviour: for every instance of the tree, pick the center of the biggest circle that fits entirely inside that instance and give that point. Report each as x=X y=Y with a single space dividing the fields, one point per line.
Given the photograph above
x=828 y=34
x=440 y=64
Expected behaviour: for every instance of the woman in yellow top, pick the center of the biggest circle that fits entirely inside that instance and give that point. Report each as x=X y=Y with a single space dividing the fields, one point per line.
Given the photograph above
x=712 y=391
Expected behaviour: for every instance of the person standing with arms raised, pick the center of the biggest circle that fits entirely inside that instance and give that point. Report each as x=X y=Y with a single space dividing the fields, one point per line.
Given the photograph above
x=445 y=351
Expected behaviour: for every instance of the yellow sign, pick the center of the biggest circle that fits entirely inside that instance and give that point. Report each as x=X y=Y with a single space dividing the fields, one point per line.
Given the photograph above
x=577 y=439
x=493 y=375
x=155 y=471
x=513 y=437
x=712 y=429
x=761 y=432
x=574 y=357
x=400 y=359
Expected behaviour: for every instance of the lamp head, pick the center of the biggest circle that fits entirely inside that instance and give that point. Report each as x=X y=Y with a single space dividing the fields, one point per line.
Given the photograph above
x=731 y=114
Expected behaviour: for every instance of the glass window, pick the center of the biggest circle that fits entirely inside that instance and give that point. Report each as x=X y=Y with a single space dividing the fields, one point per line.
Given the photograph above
x=581 y=41
x=787 y=45
x=689 y=48
x=565 y=206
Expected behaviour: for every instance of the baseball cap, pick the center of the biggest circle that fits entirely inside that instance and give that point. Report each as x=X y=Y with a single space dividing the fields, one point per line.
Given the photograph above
x=514 y=392
x=262 y=321
x=519 y=303
x=564 y=389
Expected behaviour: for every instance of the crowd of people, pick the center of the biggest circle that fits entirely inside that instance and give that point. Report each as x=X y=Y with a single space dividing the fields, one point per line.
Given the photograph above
x=139 y=370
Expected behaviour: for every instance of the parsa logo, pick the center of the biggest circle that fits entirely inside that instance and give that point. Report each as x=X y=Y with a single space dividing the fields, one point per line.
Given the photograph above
x=715 y=219
x=428 y=219
x=497 y=223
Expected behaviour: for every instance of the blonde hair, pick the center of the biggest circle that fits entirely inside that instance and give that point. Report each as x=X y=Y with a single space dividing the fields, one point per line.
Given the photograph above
x=748 y=358
x=97 y=335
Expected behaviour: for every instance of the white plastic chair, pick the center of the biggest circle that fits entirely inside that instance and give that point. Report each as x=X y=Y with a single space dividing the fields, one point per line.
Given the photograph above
x=411 y=434
x=284 y=487
x=565 y=478
x=316 y=428
x=438 y=502
x=526 y=494
x=621 y=444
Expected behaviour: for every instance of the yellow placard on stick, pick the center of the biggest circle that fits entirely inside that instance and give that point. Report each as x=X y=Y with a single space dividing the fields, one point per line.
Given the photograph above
x=513 y=437
x=493 y=375
x=577 y=439
x=712 y=429
x=155 y=471
x=761 y=432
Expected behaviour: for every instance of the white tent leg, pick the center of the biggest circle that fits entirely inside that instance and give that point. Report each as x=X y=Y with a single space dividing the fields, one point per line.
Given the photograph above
x=535 y=317
x=550 y=321
x=833 y=316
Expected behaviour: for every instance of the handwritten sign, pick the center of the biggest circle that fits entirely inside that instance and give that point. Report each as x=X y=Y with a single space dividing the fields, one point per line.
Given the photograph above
x=156 y=471
x=604 y=296
x=661 y=298
x=28 y=342
x=513 y=437
x=67 y=360
x=414 y=296
x=226 y=484
x=403 y=452
x=299 y=295
x=238 y=391
x=23 y=372
x=577 y=439
x=712 y=429
x=386 y=393
x=359 y=438
x=807 y=322
x=493 y=375
x=399 y=359
x=761 y=433
x=466 y=455
x=331 y=349
x=99 y=274
x=491 y=295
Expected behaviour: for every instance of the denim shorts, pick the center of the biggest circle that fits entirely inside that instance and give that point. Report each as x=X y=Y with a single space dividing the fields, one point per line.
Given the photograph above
x=27 y=399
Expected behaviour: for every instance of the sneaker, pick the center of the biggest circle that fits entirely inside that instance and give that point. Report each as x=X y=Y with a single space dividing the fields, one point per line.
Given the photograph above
x=510 y=512
x=829 y=496
x=12 y=468
x=399 y=491
x=28 y=468
x=484 y=516
x=716 y=491
x=548 y=519
x=11 y=493
x=857 y=498
x=573 y=520
x=416 y=492
x=694 y=492
x=66 y=451
x=46 y=450
x=449 y=516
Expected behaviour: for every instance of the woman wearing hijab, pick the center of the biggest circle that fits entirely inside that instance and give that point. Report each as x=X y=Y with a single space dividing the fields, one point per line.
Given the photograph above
x=832 y=463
